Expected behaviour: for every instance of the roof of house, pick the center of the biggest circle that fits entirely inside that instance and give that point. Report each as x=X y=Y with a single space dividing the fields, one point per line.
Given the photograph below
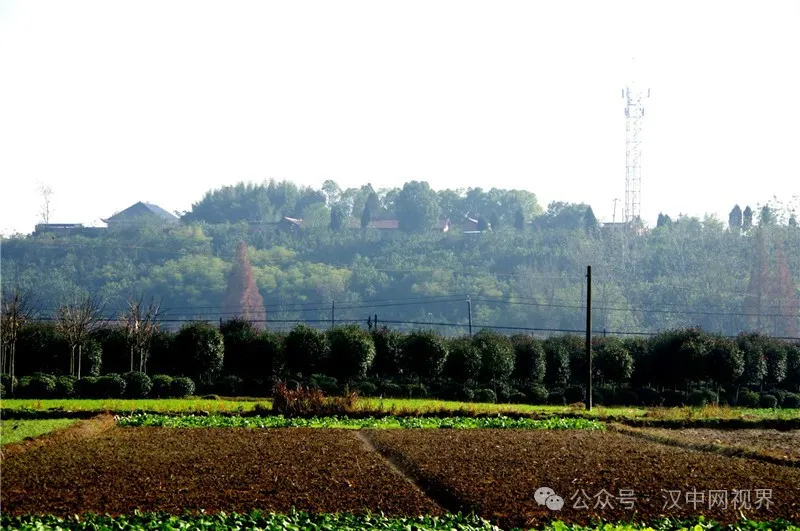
x=139 y=210
x=384 y=224
x=293 y=221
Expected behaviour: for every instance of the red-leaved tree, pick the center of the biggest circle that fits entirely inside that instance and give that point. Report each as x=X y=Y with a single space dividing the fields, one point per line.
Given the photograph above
x=242 y=298
x=786 y=297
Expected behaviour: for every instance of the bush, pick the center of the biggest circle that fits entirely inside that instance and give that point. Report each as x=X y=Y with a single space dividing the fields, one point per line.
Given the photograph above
x=391 y=390
x=65 y=387
x=747 y=398
x=557 y=355
x=485 y=396
x=327 y=384
x=87 y=387
x=613 y=360
x=388 y=352
x=627 y=397
x=306 y=351
x=574 y=393
x=768 y=401
x=650 y=397
x=537 y=394
x=39 y=385
x=161 y=385
x=497 y=355
x=351 y=354
x=791 y=401
x=416 y=391
x=529 y=359
x=181 y=387
x=199 y=351
x=517 y=397
x=137 y=384
x=463 y=363
x=456 y=392
x=367 y=389
x=111 y=386
x=424 y=354
x=700 y=398
x=673 y=398
x=229 y=386
x=556 y=398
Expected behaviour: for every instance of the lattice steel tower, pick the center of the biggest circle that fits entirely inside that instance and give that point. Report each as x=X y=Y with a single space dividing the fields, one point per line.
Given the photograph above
x=634 y=114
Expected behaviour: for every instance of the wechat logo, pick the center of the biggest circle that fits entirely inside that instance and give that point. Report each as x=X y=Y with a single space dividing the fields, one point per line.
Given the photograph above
x=546 y=496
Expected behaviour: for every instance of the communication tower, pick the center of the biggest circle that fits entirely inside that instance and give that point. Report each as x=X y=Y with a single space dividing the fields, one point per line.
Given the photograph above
x=634 y=113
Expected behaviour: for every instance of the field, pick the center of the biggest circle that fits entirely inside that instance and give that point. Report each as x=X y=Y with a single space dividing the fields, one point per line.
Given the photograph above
x=103 y=466
x=12 y=431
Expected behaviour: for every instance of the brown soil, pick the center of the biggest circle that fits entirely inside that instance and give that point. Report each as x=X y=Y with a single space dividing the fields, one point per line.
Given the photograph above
x=496 y=473
x=157 y=469
x=771 y=445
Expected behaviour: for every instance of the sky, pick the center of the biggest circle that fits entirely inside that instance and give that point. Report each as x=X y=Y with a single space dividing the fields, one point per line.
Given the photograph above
x=110 y=103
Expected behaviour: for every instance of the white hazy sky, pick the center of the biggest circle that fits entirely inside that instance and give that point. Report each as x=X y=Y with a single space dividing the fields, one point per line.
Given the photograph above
x=112 y=102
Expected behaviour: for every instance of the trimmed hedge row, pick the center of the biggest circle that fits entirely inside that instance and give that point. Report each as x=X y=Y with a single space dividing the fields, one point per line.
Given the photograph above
x=128 y=385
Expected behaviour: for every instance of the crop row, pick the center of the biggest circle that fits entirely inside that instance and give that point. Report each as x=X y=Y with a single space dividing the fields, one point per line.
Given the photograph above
x=297 y=521
x=389 y=422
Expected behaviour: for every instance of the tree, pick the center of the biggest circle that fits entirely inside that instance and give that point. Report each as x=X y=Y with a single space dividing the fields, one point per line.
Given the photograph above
x=725 y=362
x=483 y=226
x=366 y=216
x=786 y=296
x=519 y=220
x=46 y=192
x=352 y=352
x=316 y=215
x=614 y=362
x=16 y=312
x=338 y=217
x=200 y=352
x=463 y=363
x=141 y=324
x=530 y=359
x=332 y=192
x=388 y=353
x=494 y=221
x=747 y=218
x=424 y=354
x=759 y=285
x=77 y=321
x=242 y=298
x=735 y=219
x=590 y=224
x=306 y=351
x=417 y=207
x=497 y=356
x=765 y=217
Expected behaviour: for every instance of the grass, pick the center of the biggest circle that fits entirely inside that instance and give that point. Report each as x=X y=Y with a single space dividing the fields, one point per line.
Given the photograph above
x=403 y=407
x=217 y=421
x=12 y=431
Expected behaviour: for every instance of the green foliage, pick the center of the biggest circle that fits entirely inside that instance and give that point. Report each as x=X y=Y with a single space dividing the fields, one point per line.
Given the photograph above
x=497 y=355
x=530 y=360
x=199 y=350
x=755 y=362
x=487 y=396
x=387 y=422
x=87 y=387
x=747 y=398
x=613 y=361
x=327 y=384
x=537 y=394
x=417 y=207
x=12 y=431
x=557 y=353
x=137 y=384
x=463 y=363
x=768 y=401
x=367 y=389
x=111 y=386
x=556 y=397
x=229 y=385
x=574 y=394
x=351 y=352
x=39 y=385
x=65 y=387
x=306 y=351
x=181 y=387
x=424 y=354
x=161 y=386
x=701 y=397
x=792 y=380
x=388 y=353
x=791 y=401
x=725 y=361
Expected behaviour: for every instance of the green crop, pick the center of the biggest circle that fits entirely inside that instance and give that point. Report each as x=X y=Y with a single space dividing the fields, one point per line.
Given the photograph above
x=220 y=421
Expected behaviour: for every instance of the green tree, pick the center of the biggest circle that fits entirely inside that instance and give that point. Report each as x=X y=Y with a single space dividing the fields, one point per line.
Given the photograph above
x=735 y=219
x=463 y=361
x=352 y=352
x=199 y=350
x=424 y=354
x=725 y=362
x=497 y=356
x=590 y=223
x=366 y=217
x=530 y=359
x=519 y=220
x=417 y=207
x=747 y=218
x=306 y=351
x=614 y=362
x=388 y=352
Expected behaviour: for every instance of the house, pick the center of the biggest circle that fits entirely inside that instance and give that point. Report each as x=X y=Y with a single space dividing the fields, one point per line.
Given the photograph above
x=442 y=225
x=63 y=229
x=141 y=214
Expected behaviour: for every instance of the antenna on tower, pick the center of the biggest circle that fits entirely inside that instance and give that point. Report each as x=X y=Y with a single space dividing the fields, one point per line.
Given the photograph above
x=634 y=113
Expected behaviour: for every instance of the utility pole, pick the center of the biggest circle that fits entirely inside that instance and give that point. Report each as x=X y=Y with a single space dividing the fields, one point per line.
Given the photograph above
x=469 y=314
x=614 y=217
x=589 y=334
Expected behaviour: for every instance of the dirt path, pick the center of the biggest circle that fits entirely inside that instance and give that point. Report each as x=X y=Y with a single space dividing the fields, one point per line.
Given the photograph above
x=82 y=429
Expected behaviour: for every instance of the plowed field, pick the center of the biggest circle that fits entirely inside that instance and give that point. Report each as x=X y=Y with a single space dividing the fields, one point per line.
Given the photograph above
x=161 y=469
x=497 y=473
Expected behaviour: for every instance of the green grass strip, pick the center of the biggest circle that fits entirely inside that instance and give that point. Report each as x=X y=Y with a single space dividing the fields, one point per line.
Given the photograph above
x=219 y=421
x=12 y=431
x=255 y=521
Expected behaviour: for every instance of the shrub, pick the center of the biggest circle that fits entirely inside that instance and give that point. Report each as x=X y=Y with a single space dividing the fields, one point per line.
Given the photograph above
x=529 y=359
x=39 y=385
x=87 y=387
x=424 y=354
x=556 y=397
x=485 y=396
x=137 y=384
x=768 y=401
x=416 y=391
x=327 y=384
x=391 y=390
x=199 y=351
x=210 y=397
x=463 y=361
x=65 y=387
x=111 y=386
x=456 y=392
x=517 y=397
x=574 y=393
x=298 y=402
x=2 y=390
x=673 y=398
x=557 y=352
x=181 y=387
x=537 y=394
x=161 y=385
x=791 y=401
x=747 y=398
x=8 y=384
x=614 y=362
x=699 y=398
x=238 y=336
x=306 y=351
x=650 y=397
x=367 y=389
x=229 y=385
x=627 y=397
x=497 y=355
x=351 y=352
x=388 y=352
x=255 y=387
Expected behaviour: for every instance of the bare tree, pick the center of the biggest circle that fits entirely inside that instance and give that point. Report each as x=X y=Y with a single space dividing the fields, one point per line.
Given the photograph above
x=141 y=324
x=46 y=192
x=77 y=321
x=17 y=310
